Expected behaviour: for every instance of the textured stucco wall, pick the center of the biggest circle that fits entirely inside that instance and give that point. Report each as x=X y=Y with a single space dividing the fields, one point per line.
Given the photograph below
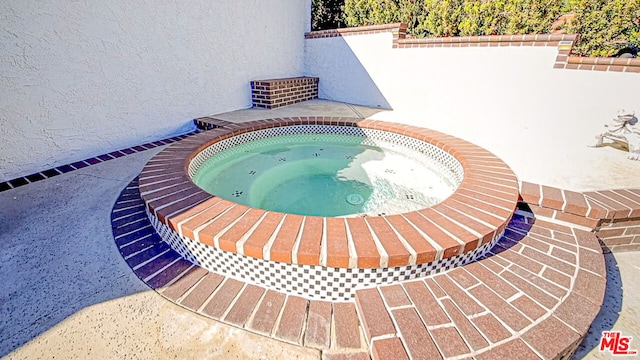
x=81 y=78
x=508 y=99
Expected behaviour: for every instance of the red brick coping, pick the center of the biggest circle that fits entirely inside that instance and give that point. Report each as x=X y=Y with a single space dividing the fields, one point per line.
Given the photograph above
x=564 y=43
x=613 y=214
x=533 y=297
x=533 y=300
x=473 y=215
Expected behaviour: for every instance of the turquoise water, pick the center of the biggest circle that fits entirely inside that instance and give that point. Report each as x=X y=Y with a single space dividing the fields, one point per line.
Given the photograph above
x=322 y=175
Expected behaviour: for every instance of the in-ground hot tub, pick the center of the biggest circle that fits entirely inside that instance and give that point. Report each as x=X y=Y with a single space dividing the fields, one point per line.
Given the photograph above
x=325 y=170
x=328 y=257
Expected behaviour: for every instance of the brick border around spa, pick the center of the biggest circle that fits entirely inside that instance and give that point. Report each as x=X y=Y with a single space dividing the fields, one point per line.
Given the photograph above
x=476 y=213
x=534 y=297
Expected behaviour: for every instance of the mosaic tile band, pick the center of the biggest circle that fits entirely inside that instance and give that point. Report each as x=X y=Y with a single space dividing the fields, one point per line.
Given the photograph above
x=310 y=282
x=440 y=160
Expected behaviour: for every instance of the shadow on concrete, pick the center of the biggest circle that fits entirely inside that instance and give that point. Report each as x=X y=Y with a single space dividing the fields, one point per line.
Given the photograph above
x=58 y=256
x=516 y=230
x=57 y=251
x=609 y=312
x=618 y=145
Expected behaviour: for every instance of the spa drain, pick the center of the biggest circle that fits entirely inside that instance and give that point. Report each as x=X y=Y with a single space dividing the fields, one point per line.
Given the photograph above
x=355 y=199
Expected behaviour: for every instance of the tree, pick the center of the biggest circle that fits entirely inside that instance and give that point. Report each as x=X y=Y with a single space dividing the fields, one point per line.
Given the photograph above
x=484 y=18
x=604 y=24
x=531 y=16
x=326 y=14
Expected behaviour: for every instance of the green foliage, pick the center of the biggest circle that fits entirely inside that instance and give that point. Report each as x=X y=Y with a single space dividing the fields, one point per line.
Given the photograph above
x=443 y=17
x=484 y=18
x=371 y=12
x=567 y=5
x=412 y=13
x=495 y=17
x=531 y=16
x=603 y=24
x=326 y=14
x=456 y=17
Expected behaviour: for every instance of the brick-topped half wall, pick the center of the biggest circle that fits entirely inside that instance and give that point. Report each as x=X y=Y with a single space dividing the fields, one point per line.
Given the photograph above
x=274 y=93
x=564 y=43
x=623 y=235
x=614 y=215
x=398 y=30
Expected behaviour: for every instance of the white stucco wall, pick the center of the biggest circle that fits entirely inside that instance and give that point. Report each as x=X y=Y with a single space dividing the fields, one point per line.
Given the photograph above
x=81 y=78
x=509 y=100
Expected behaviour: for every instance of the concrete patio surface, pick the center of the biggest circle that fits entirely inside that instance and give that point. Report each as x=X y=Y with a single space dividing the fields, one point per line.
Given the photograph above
x=530 y=153
x=623 y=273
x=67 y=293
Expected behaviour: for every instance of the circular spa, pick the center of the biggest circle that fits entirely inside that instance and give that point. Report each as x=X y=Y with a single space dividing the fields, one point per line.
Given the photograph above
x=320 y=207
x=328 y=171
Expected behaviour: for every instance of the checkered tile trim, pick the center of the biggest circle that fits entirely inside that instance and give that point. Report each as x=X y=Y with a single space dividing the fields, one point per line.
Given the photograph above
x=309 y=282
x=440 y=160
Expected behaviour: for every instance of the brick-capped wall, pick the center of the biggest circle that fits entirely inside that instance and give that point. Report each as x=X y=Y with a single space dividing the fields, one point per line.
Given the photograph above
x=614 y=215
x=621 y=235
x=274 y=93
x=564 y=43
